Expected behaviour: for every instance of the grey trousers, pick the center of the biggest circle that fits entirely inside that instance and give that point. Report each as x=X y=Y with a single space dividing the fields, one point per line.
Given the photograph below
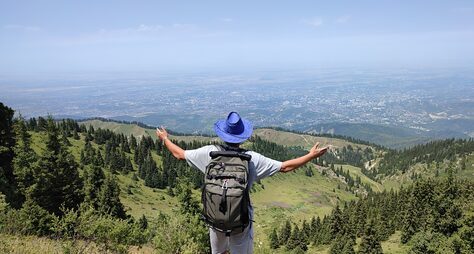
x=237 y=244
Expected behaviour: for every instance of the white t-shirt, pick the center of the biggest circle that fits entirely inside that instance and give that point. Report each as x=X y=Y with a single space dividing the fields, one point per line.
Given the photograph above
x=259 y=166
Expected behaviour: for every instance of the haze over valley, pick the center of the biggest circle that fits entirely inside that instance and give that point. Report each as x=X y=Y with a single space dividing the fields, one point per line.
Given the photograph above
x=432 y=103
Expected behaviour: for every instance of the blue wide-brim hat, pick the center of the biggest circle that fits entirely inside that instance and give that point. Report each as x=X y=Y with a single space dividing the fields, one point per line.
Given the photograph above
x=233 y=129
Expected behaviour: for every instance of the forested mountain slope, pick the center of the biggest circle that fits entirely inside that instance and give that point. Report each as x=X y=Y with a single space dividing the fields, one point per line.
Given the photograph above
x=129 y=191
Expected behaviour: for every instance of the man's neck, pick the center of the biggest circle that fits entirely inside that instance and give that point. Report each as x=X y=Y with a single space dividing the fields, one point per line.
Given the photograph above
x=233 y=145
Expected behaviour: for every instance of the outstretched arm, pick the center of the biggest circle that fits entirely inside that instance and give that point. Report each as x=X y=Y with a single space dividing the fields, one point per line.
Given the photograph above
x=177 y=151
x=293 y=164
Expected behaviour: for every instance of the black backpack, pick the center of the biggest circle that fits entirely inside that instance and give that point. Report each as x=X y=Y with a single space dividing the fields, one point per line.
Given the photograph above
x=225 y=194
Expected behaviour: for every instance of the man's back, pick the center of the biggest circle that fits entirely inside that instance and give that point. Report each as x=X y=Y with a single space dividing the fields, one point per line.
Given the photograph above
x=259 y=165
x=235 y=130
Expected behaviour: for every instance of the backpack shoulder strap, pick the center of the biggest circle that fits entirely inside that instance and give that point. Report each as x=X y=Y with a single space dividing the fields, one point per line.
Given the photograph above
x=225 y=147
x=227 y=151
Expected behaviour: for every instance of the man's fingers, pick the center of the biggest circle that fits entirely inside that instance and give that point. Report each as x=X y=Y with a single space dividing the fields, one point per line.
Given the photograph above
x=316 y=145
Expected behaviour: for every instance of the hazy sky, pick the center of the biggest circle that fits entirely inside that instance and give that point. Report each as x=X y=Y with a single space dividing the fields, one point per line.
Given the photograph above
x=55 y=36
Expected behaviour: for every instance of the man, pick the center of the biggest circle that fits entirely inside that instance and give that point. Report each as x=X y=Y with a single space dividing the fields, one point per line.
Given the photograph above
x=234 y=131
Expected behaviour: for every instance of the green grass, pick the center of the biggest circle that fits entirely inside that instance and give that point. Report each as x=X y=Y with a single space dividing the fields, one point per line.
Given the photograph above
x=279 y=137
x=15 y=244
x=294 y=196
x=283 y=196
x=306 y=141
x=144 y=200
x=393 y=245
x=356 y=172
x=137 y=131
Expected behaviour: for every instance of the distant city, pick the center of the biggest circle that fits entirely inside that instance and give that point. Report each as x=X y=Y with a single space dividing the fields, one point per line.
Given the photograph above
x=435 y=100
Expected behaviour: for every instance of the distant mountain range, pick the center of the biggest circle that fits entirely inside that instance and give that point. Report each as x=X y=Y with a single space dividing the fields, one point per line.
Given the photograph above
x=389 y=136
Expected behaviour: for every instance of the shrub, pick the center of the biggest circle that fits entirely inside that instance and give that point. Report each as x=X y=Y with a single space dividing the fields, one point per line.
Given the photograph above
x=31 y=219
x=111 y=233
x=181 y=234
x=65 y=227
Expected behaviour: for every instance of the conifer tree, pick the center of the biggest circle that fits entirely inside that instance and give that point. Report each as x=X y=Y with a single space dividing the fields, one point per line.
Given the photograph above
x=294 y=241
x=57 y=182
x=274 y=242
x=143 y=222
x=342 y=245
x=75 y=135
x=337 y=245
x=65 y=140
x=7 y=143
x=463 y=163
x=109 y=201
x=348 y=247
x=24 y=159
x=93 y=180
x=336 y=223
x=32 y=124
x=285 y=233
x=42 y=124
x=409 y=222
x=133 y=142
x=188 y=204
x=448 y=212
x=315 y=225
x=370 y=244
x=305 y=231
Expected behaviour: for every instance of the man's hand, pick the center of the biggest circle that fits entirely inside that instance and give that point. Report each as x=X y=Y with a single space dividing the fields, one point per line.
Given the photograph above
x=293 y=164
x=162 y=134
x=315 y=151
x=177 y=151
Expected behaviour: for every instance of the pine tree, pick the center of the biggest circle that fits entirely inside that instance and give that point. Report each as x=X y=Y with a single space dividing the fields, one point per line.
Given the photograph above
x=342 y=245
x=466 y=233
x=65 y=140
x=109 y=201
x=336 y=223
x=448 y=212
x=42 y=124
x=188 y=204
x=294 y=240
x=93 y=180
x=285 y=233
x=274 y=242
x=133 y=142
x=143 y=222
x=409 y=221
x=7 y=143
x=24 y=159
x=370 y=244
x=348 y=247
x=463 y=163
x=315 y=225
x=305 y=232
x=75 y=135
x=57 y=182
x=32 y=124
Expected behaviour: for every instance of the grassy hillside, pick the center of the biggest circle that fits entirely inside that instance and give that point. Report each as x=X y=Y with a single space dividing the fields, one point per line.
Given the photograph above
x=38 y=245
x=137 y=131
x=294 y=195
x=307 y=141
x=280 y=137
